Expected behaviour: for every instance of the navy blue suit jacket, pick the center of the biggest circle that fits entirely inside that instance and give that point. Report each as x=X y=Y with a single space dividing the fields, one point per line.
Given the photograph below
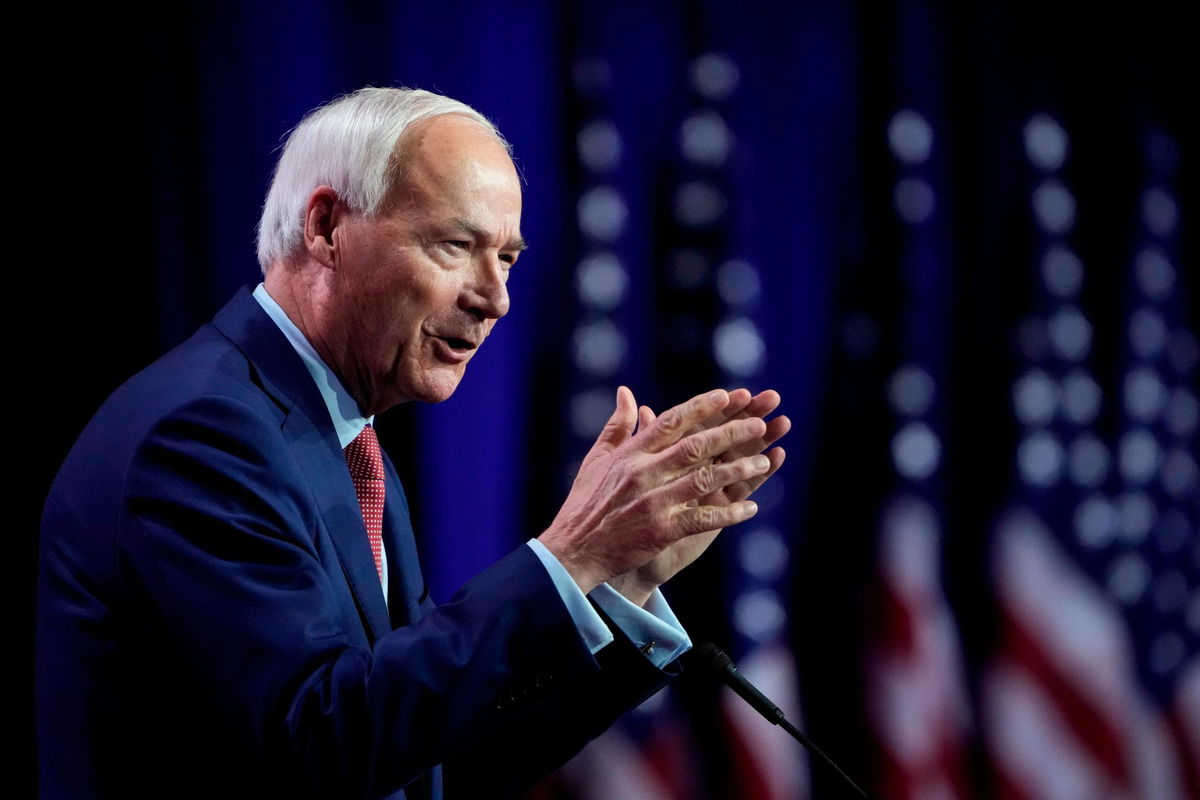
x=210 y=622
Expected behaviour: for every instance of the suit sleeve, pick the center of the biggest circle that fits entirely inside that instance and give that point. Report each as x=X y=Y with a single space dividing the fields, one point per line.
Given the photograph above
x=557 y=725
x=221 y=549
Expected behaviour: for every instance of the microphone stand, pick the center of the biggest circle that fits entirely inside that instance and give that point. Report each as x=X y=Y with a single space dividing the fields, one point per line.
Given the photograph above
x=715 y=660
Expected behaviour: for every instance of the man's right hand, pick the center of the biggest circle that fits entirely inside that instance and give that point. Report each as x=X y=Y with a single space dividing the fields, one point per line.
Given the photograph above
x=636 y=495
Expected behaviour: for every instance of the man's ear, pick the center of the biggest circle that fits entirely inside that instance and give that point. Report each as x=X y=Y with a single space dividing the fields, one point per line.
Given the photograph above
x=322 y=214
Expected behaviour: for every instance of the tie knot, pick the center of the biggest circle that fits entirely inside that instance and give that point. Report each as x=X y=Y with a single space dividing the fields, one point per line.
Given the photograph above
x=363 y=456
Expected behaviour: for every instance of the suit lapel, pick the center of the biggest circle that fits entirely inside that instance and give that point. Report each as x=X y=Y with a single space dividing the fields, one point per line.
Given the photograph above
x=406 y=586
x=314 y=444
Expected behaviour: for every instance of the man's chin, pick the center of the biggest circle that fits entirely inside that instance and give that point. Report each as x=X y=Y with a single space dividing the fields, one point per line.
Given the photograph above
x=438 y=385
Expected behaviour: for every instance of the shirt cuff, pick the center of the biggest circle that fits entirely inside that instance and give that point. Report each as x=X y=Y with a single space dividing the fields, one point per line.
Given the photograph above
x=654 y=629
x=591 y=627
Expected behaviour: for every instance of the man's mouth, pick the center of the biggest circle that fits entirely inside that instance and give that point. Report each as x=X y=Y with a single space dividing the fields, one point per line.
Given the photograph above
x=453 y=349
x=458 y=344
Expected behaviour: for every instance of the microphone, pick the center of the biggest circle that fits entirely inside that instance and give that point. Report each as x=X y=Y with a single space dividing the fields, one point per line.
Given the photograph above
x=715 y=660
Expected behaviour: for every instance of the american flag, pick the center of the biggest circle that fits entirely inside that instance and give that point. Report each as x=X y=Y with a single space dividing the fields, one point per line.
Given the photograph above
x=1094 y=691
x=916 y=696
x=766 y=764
x=705 y=303
x=644 y=757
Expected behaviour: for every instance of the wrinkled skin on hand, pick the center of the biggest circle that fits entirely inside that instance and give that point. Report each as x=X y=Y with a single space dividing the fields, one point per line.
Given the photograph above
x=645 y=505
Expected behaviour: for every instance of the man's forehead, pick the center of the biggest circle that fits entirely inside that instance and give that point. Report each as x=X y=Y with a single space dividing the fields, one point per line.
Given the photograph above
x=448 y=138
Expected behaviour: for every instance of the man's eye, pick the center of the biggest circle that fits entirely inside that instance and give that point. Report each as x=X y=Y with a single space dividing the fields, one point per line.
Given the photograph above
x=457 y=244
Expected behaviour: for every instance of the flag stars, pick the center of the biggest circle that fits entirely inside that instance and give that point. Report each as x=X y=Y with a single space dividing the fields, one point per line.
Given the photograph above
x=916 y=451
x=714 y=76
x=738 y=347
x=1095 y=522
x=599 y=347
x=763 y=554
x=1128 y=577
x=698 y=204
x=600 y=146
x=738 y=284
x=1135 y=516
x=1054 y=207
x=602 y=213
x=911 y=391
x=759 y=615
x=1046 y=143
x=1160 y=213
x=1070 y=334
x=601 y=281
x=1062 y=272
x=1081 y=398
x=1040 y=459
x=1147 y=333
x=1088 y=461
x=915 y=200
x=1138 y=456
x=705 y=139
x=1145 y=394
x=1154 y=273
x=588 y=411
x=1035 y=398
x=910 y=136
x=1179 y=474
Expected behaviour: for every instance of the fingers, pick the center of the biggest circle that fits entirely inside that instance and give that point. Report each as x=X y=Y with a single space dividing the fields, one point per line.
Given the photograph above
x=646 y=417
x=702 y=519
x=735 y=492
x=710 y=479
x=763 y=403
x=620 y=424
x=676 y=422
x=705 y=445
x=776 y=429
x=742 y=405
x=739 y=399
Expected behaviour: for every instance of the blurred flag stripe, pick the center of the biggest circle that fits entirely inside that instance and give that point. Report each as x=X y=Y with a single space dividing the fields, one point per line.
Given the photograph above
x=917 y=707
x=1085 y=720
x=1065 y=716
x=769 y=764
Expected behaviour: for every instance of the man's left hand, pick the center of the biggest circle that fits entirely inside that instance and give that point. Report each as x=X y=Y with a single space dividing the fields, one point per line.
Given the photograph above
x=638 y=584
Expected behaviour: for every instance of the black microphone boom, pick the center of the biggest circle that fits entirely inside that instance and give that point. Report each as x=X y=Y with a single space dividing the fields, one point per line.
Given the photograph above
x=716 y=661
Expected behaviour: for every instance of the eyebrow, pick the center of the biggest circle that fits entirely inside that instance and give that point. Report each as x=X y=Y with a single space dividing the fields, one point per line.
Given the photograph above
x=474 y=230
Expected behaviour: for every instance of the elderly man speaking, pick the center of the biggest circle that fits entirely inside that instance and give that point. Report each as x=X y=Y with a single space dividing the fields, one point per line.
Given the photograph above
x=230 y=602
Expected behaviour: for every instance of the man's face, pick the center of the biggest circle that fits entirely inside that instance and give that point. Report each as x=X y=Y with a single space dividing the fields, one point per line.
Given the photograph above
x=419 y=287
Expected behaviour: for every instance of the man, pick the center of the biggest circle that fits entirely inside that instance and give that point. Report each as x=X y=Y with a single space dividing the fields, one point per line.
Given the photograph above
x=230 y=601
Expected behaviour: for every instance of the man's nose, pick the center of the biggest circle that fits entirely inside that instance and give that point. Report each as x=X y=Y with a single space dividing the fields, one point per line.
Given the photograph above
x=486 y=296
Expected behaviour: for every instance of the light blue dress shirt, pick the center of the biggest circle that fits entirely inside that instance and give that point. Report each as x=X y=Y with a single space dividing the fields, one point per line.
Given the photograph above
x=654 y=628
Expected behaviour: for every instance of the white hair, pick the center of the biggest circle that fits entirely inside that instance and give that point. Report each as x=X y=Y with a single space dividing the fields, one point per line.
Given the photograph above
x=349 y=145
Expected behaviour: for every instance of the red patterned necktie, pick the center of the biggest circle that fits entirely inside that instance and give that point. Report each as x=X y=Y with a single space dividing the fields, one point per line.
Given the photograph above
x=366 y=470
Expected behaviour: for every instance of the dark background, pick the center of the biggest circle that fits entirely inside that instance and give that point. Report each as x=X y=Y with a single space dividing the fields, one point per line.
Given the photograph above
x=153 y=130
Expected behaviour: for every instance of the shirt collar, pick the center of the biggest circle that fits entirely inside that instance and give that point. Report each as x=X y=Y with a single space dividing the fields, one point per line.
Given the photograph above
x=348 y=421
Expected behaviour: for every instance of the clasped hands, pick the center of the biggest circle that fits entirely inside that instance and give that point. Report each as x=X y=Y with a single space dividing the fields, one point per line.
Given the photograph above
x=646 y=504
